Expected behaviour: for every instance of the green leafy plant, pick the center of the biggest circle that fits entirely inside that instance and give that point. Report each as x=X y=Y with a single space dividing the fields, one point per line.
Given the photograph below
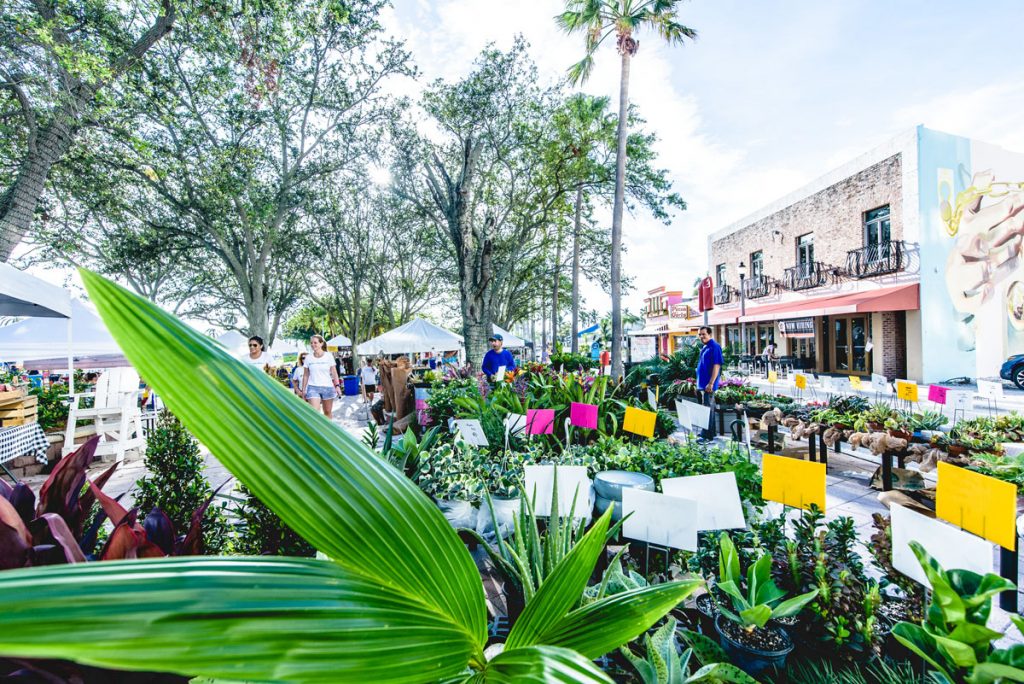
x=927 y=420
x=262 y=532
x=954 y=639
x=175 y=483
x=52 y=406
x=758 y=599
x=662 y=662
x=399 y=580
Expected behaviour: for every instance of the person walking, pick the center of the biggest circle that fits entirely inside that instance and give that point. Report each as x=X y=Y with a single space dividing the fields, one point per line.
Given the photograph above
x=606 y=362
x=368 y=378
x=297 y=374
x=709 y=372
x=496 y=357
x=320 y=379
x=258 y=354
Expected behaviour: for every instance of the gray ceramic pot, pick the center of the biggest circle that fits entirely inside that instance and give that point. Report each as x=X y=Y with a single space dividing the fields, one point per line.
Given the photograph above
x=610 y=483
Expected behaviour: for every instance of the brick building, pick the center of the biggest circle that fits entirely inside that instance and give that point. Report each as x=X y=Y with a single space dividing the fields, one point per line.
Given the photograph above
x=851 y=273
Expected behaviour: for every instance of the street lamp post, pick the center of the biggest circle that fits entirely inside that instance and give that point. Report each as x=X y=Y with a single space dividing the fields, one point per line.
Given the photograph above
x=743 y=307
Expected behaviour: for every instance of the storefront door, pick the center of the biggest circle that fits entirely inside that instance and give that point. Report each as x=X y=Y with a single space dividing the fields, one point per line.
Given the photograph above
x=849 y=345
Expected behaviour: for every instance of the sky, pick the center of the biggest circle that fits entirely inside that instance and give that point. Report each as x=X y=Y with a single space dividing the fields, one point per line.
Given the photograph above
x=771 y=95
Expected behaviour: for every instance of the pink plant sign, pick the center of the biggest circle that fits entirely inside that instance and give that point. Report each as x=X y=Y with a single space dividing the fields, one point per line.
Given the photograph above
x=583 y=415
x=937 y=394
x=540 y=421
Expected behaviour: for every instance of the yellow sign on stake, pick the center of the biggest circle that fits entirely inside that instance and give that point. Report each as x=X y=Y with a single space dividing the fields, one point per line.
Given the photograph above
x=773 y=377
x=977 y=503
x=793 y=482
x=855 y=382
x=801 y=381
x=639 y=422
x=906 y=390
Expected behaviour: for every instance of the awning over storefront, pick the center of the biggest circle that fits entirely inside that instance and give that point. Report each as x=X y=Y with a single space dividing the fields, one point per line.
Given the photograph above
x=723 y=317
x=898 y=298
x=650 y=330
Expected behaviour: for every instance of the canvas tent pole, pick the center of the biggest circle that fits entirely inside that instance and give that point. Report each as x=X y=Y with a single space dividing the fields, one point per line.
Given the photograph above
x=71 y=362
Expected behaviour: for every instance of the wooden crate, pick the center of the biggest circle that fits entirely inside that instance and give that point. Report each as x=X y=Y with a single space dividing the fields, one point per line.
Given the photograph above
x=12 y=397
x=20 y=412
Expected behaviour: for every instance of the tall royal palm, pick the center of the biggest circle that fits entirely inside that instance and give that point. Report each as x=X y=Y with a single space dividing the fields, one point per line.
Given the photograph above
x=598 y=19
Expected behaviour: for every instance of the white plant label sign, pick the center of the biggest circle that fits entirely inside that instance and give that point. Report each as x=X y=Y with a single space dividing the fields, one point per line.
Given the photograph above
x=717 y=497
x=471 y=430
x=660 y=519
x=572 y=481
x=880 y=383
x=683 y=413
x=950 y=546
x=700 y=416
x=990 y=390
x=515 y=423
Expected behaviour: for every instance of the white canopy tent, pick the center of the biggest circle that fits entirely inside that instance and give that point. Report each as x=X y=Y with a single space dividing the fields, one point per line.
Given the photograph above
x=509 y=341
x=24 y=295
x=46 y=338
x=282 y=347
x=339 y=341
x=415 y=336
x=235 y=342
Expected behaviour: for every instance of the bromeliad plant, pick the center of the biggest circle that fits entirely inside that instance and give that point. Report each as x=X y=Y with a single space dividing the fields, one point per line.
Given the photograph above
x=954 y=639
x=400 y=582
x=760 y=600
x=664 y=664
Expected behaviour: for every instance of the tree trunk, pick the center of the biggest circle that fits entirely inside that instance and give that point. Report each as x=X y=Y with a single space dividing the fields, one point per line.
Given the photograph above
x=19 y=201
x=543 y=328
x=576 y=270
x=620 y=191
x=557 y=279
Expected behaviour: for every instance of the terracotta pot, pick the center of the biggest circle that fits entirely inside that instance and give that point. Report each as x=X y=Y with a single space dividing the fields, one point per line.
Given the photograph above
x=900 y=434
x=956 y=449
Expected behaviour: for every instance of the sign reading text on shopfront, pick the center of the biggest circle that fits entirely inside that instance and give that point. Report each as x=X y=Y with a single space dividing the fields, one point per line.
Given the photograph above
x=797 y=327
x=681 y=311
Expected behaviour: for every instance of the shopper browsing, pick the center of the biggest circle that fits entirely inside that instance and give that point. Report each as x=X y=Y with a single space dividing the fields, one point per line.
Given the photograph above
x=709 y=372
x=497 y=357
x=297 y=374
x=368 y=378
x=320 y=379
x=258 y=355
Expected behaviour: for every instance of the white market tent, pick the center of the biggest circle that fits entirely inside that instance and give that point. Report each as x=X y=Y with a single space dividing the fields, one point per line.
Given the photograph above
x=416 y=336
x=509 y=341
x=24 y=295
x=235 y=342
x=282 y=347
x=47 y=338
x=339 y=341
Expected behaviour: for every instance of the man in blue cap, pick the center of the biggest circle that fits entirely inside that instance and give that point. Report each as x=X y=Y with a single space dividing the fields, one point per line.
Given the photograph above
x=497 y=357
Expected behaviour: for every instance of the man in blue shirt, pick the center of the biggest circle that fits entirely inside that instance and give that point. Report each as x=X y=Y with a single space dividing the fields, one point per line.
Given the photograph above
x=709 y=372
x=497 y=357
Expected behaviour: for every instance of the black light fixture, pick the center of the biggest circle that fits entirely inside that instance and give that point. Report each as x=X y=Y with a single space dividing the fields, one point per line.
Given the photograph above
x=743 y=270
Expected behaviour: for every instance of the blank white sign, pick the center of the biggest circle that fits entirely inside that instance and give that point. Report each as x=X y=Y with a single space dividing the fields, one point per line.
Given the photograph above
x=683 y=413
x=717 y=497
x=951 y=547
x=660 y=519
x=880 y=383
x=515 y=423
x=471 y=430
x=700 y=415
x=540 y=480
x=990 y=390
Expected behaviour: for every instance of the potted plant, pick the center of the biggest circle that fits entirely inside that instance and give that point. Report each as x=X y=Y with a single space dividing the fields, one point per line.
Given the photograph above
x=754 y=600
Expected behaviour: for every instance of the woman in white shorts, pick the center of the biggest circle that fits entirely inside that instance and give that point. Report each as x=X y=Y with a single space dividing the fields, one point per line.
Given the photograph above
x=320 y=379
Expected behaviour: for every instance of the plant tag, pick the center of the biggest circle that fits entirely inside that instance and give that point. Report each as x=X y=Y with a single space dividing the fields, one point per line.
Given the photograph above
x=855 y=383
x=793 y=482
x=700 y=416
x=583 y=415
x=990 y=390
x=800 y=380
x=660 y=519
x=937 y=394
x=717 y=497
x=773 y=377
x=500 y=374
x=683 y=413
x=977 y=503
x=639 y=422
x=572 y=481
x=515 y=423
x=540 y=421
x=880 y=383
x=906 y=390
x=471 y=431
x=951 y=547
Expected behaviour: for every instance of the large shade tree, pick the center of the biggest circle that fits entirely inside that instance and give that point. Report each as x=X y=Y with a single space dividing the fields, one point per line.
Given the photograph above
x=597 y=20
x=57 y=60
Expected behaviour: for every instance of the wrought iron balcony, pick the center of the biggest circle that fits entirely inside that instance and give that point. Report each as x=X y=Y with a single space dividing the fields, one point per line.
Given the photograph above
x=873 y=260
x=806 y=276
x=724 y=294
x=758 y=286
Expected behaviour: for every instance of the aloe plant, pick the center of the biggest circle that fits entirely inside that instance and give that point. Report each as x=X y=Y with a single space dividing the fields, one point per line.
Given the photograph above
x=662 y=663
x=401 y=601
x=762 y=599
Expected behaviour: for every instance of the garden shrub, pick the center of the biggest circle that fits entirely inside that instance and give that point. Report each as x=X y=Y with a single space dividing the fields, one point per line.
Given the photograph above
x=263 y=533
x=175 y=483
x=52 y=408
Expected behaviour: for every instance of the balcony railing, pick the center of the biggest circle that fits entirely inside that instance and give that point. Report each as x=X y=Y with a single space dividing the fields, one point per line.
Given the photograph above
x=806 y=276
x=758 y=286
x=873 y=260
x=724 y=294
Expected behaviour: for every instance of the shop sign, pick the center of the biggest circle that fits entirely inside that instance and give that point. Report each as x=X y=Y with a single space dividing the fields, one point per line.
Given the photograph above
x=680 y=311
x=642 y=348
x=797 y=327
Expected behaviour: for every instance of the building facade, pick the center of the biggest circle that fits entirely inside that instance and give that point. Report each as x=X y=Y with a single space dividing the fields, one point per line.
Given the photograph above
x=669 y=318
x=858 y=272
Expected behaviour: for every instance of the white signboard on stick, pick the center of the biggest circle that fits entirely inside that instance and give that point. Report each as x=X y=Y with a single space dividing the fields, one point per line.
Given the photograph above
x=880 y=383
x=700 y=415
x=572 y=482
x=471 y=430
x=717 y=497
x=683 y=413
x=660 y=519
x=950 y=546
x=515 y=423
x=988 y=389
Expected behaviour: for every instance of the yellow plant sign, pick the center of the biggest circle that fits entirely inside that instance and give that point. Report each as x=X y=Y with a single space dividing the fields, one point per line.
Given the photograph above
x=793 y=482
x=855 y=382
x=801 y=381
x=773 y=377
x=977 y=503
x=906 y=390
x=639 y=422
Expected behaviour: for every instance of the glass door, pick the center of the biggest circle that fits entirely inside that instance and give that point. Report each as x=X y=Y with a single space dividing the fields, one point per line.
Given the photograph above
x=841 y=345
x=849 y=345
x=858 y=343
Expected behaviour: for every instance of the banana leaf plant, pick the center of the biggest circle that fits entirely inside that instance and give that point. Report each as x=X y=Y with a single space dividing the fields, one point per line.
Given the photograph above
x=400 y=601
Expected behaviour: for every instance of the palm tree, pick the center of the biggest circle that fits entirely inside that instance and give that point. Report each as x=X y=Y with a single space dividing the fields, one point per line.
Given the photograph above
x=598 y=19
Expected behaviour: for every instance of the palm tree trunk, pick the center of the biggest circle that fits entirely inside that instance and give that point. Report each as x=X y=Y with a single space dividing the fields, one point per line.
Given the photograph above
x=620 y=191
x=576 y=270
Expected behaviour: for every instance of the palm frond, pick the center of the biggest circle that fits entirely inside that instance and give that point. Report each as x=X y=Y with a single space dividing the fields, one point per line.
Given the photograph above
x=581 y=70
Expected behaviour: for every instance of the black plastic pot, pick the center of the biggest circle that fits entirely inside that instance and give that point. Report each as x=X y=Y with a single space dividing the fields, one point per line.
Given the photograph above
x=751 y=660
x=707 y=614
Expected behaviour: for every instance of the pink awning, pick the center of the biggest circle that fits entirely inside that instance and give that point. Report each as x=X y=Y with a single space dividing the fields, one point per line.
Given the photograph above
x=898 y=298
